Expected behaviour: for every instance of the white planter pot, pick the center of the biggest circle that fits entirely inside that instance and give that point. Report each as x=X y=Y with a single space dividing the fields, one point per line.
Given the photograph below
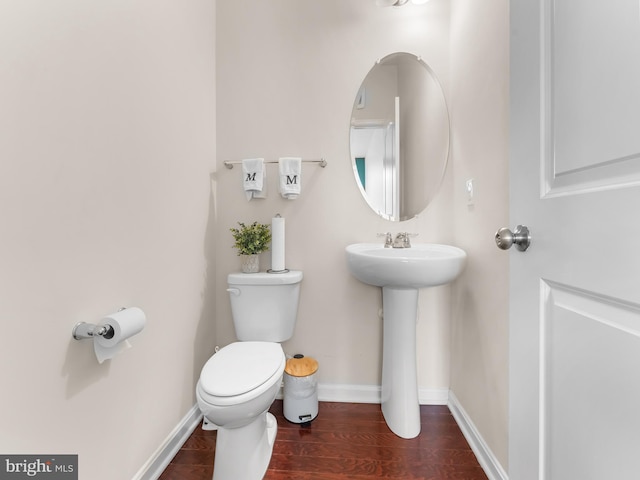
x=250 y=263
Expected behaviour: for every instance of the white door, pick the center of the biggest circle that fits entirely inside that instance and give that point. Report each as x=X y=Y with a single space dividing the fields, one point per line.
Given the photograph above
x=575 y=293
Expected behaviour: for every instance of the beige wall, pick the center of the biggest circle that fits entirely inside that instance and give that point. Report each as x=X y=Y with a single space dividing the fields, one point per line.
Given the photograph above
x=288 y=73
x=107 y=139
x=479 y=112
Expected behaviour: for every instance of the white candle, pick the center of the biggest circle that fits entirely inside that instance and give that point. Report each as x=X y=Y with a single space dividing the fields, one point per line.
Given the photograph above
x=277 y=244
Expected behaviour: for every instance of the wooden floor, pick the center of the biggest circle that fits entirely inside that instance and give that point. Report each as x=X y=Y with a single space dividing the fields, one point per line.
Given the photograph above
x=347 y=441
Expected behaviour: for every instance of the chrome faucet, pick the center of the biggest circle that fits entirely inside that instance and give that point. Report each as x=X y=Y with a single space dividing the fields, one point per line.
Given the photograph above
x=402 y=240
x=388 y=239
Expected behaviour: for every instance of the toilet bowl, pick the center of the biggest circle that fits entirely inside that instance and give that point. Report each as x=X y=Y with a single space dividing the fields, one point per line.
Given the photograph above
x=237 y=386
x=240 y=382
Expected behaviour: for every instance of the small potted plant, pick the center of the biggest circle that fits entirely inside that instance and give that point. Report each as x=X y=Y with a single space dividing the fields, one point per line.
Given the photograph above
x=250 y=240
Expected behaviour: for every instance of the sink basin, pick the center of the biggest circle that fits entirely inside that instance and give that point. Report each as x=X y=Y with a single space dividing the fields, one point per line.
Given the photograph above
x=422 y=265
x=401 y=272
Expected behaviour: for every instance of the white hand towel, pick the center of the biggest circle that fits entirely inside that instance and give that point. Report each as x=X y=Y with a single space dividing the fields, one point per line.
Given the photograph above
x=290 y=173
x=254 y=178
x=262 y=193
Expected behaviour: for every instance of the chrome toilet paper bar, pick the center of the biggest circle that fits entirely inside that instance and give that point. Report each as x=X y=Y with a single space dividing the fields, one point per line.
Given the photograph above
x=84 y=330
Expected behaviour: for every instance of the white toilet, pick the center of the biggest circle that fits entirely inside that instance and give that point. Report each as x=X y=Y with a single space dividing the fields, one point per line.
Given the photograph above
x=239 y=383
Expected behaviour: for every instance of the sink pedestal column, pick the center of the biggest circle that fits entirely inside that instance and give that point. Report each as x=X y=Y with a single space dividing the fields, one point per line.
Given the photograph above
x=400 y=405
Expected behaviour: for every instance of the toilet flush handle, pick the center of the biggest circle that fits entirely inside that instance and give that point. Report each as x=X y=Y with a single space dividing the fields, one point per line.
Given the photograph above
x=234 y=291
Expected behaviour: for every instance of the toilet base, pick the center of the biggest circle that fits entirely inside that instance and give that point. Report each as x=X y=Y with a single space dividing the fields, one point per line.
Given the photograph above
x=245 y=452
x=208 y=425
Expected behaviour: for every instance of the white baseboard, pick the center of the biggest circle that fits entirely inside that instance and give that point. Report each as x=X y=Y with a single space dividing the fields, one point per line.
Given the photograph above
x=433 y=396
x=372 y=394
x=329 y=392
x=485 y=456
x=154 y=467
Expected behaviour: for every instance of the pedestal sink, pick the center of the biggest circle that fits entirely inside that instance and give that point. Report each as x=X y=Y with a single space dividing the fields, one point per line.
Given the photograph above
x=401 y=272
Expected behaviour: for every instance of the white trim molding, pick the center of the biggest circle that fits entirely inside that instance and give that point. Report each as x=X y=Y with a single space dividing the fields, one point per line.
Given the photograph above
x=161 y=458
x=331 y=392
x=349 y=393
x=433 y=396
x=483 y=453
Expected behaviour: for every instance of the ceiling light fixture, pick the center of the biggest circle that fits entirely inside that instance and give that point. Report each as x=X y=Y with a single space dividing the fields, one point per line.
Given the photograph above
x=398 y=3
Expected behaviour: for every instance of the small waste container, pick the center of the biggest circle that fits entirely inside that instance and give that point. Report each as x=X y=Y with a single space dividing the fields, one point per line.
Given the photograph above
x=300 y=402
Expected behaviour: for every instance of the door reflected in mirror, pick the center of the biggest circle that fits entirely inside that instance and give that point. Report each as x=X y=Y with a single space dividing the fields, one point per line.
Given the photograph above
x=399 y=136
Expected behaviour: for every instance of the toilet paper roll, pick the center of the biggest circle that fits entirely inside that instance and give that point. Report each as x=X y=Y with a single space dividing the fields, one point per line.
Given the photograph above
x=277 y=244
x=125 y=323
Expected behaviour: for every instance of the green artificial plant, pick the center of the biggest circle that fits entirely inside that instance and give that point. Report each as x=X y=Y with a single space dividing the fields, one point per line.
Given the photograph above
x=251 y=239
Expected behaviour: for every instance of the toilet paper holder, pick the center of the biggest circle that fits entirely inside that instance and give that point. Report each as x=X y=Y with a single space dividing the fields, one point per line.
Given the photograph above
x=84 y=330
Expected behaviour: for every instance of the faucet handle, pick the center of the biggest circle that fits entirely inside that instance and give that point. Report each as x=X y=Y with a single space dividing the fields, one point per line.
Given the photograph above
x=406 y=241
x=388 y=240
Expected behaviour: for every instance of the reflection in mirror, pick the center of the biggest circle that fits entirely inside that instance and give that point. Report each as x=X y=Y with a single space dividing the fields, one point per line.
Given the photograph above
x=399 y=136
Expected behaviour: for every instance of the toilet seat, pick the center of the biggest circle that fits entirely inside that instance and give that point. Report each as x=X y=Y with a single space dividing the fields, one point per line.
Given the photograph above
x=241 y=371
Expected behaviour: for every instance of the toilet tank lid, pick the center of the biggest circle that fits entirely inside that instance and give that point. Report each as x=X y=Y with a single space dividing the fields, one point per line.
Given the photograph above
x=264 y=278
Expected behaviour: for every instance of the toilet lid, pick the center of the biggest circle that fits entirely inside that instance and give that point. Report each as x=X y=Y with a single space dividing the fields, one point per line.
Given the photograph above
x=241 y=367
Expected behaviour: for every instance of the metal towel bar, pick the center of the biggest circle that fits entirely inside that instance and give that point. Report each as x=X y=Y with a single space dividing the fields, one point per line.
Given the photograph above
x=230 y=163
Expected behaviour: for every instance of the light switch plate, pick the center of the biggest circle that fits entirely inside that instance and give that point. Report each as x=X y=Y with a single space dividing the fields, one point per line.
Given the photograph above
x=469 y=188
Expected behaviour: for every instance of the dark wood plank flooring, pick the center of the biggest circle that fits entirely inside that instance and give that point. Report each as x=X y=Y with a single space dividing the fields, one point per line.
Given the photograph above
x=347 y=441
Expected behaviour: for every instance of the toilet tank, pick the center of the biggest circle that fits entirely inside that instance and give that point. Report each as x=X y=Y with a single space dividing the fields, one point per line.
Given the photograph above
x=264 y=306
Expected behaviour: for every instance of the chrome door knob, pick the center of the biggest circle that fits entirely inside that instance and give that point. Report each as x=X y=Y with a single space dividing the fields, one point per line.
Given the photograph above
x=520 y=237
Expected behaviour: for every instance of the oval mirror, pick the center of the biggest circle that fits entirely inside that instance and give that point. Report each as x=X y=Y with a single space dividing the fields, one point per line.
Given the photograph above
x=399 y=136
